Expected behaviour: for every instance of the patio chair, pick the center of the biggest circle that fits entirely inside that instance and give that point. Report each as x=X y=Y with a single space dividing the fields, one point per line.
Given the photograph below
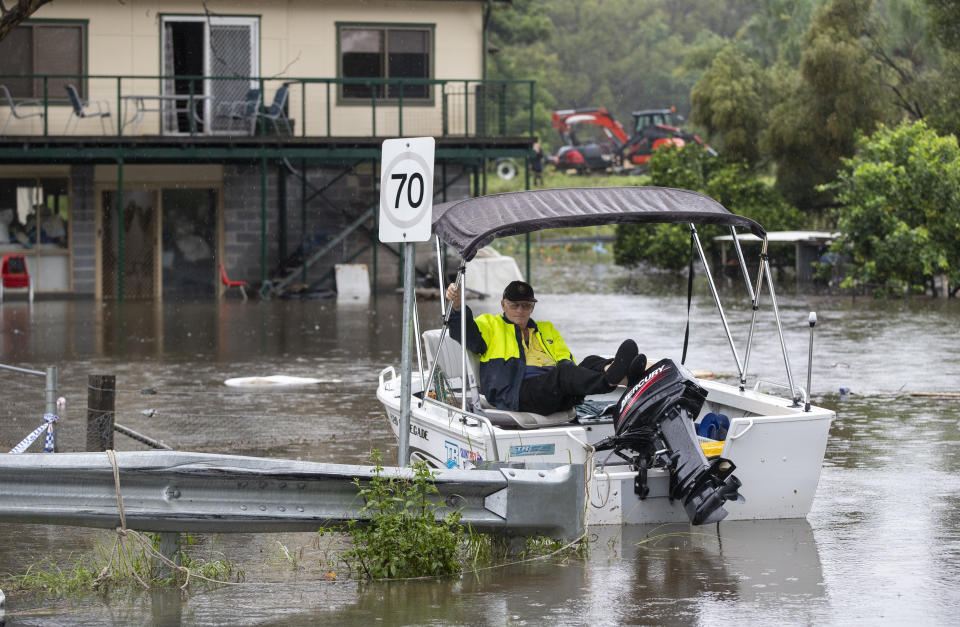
x=228 y=283
x=84 y=109
x=14 y=275
x=15 y=111
x=245 y=111
x=276 y=111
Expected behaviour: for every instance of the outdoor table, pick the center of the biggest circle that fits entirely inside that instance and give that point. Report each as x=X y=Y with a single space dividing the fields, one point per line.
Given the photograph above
x=142 y=102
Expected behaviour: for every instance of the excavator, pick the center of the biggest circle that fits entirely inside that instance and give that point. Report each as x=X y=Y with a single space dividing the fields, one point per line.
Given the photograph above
x=615 y=149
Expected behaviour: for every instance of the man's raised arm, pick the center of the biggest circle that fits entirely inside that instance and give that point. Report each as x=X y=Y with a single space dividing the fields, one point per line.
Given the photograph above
x=475 y=342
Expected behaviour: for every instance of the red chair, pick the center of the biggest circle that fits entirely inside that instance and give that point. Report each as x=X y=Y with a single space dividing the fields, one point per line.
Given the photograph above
x=228 y=283
x=14 y=275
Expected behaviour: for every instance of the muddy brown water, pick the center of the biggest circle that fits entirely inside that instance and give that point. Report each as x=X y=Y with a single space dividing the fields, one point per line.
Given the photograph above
x=881 y=544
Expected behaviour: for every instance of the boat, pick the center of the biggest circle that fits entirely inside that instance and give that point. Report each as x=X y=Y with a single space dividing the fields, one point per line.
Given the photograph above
x=658 y=453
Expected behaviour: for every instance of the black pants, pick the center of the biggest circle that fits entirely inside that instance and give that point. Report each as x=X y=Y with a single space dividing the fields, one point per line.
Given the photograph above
x=564 y=386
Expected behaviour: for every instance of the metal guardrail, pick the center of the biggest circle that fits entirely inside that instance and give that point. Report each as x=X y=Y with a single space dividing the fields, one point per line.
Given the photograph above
x=166 y=491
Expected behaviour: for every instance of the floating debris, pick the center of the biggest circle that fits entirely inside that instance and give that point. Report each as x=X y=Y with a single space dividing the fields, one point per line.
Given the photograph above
x=275 y=381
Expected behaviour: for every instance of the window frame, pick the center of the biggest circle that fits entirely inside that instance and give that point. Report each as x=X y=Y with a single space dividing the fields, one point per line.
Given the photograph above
x=81 y=83
x=385 y=28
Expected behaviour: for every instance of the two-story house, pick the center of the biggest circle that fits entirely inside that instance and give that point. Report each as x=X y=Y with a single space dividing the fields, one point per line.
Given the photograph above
x=145 y=143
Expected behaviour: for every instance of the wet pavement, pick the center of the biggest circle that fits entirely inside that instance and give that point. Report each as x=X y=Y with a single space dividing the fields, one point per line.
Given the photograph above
x=882 y=543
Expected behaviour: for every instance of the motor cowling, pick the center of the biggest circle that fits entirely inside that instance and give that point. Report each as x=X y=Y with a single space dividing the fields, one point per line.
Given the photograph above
x=654 y=427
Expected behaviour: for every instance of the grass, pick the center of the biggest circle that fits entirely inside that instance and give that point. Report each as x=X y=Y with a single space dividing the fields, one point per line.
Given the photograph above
x=553 y=179
x=124 y=565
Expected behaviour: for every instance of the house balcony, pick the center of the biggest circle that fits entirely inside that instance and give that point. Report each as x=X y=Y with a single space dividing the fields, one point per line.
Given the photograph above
x=98 y=110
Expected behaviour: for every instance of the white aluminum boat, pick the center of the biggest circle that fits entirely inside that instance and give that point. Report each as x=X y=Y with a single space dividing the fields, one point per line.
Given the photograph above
x=766 y=467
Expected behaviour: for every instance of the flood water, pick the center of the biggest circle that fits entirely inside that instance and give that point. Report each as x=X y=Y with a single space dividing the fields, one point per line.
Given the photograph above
x=881 y=544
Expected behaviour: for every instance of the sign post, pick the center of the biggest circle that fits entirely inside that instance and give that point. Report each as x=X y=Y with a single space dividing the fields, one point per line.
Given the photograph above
x=406 y=212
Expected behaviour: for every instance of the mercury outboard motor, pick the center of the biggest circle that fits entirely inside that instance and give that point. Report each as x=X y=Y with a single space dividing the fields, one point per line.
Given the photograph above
x=654 y=427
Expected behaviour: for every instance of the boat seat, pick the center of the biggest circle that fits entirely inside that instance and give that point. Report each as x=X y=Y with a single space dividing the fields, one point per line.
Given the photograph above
x=450 y=362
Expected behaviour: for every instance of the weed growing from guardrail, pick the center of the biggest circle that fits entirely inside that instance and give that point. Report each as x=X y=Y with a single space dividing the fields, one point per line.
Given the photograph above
x=402 y=536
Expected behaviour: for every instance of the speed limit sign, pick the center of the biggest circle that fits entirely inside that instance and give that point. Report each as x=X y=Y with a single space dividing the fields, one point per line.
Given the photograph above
x=406 y=189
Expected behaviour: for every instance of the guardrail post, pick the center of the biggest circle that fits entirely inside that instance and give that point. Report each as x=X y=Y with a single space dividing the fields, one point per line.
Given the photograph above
x=51 y=403
x=101 y=392
x=170 y=549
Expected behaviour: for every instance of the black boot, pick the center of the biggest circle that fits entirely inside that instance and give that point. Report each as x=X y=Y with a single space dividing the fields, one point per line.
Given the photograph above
x=621 y=363
x=638 y=367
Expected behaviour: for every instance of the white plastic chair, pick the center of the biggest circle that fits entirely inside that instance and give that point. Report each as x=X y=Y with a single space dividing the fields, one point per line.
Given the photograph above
x=15 y=108
x=80 y=110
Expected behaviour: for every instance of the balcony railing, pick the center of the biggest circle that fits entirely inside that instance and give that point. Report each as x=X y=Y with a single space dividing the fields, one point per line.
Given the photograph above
x=40 y=105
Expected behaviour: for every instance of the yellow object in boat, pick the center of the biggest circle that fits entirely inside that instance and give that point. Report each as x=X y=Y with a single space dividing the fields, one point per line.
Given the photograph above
x=711 y=448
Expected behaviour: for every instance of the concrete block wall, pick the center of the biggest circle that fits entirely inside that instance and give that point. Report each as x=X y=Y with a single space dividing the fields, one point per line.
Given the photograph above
x=345 y=197
x=83 y=229
x=242 y=220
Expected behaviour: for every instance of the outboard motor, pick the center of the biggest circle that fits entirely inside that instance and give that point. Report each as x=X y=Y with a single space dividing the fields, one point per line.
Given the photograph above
x=654 y=427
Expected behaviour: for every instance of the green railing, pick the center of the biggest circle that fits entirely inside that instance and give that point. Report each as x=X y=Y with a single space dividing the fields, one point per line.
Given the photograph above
x=245 y=106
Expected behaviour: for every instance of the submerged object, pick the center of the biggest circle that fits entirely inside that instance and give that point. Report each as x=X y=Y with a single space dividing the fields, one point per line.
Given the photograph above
x=275 y=381
x=654 y=428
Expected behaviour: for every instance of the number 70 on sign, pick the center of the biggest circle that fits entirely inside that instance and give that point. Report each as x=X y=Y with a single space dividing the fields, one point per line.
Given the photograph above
x=406 y=189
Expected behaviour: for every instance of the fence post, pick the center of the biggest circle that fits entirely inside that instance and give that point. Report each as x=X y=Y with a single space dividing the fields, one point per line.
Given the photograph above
x=51 y=404
x=170 y=549
x=101 y=391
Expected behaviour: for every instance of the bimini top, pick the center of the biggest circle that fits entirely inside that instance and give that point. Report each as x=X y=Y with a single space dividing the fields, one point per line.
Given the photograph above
x=470 y=224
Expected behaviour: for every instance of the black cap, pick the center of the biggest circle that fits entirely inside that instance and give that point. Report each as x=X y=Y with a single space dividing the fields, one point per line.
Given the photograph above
x=518 y=291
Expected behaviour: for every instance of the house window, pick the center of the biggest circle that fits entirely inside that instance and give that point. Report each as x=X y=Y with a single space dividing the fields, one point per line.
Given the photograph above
x=43 y=48
x=385 y=52
x=35 y=223
x=34 y=214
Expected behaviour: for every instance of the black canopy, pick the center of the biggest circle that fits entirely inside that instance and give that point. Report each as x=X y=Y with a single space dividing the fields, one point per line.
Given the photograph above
x=469 y=225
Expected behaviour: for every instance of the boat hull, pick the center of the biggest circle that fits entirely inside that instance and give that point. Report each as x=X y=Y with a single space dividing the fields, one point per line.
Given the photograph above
x=778 y=451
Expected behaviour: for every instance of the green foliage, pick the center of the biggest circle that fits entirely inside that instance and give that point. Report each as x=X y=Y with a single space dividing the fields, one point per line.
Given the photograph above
x=47 y=576
x=788 y=82
x=729 y=101
x=555 y=179
x=816 y=124
x=739 y=189
x=124 y=565
x=403 y=538
x=775 y=32
x=732 y=184
x=900 y=214
x=945 y=22
x=620 y=54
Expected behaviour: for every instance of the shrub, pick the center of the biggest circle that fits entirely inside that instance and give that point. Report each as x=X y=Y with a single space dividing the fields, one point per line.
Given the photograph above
x=900 y=213
x=403 y=537
x=732 y=184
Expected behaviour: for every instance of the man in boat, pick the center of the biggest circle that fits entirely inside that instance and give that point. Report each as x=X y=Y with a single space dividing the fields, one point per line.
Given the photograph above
x=526 y=365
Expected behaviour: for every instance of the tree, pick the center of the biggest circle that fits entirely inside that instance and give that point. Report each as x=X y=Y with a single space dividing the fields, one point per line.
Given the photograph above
x=945 y=19
x=520 y=48
x=775 y=32
x=944 y=113
x=837 y=96
x=730 y=102
x=16 y=13
x=900 y=209
x=731 y=183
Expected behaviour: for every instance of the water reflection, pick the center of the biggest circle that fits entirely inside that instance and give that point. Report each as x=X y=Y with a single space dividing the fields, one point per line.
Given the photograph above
x=883 y=538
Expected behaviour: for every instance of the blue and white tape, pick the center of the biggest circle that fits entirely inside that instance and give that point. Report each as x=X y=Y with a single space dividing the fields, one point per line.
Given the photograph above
x=48 y=443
